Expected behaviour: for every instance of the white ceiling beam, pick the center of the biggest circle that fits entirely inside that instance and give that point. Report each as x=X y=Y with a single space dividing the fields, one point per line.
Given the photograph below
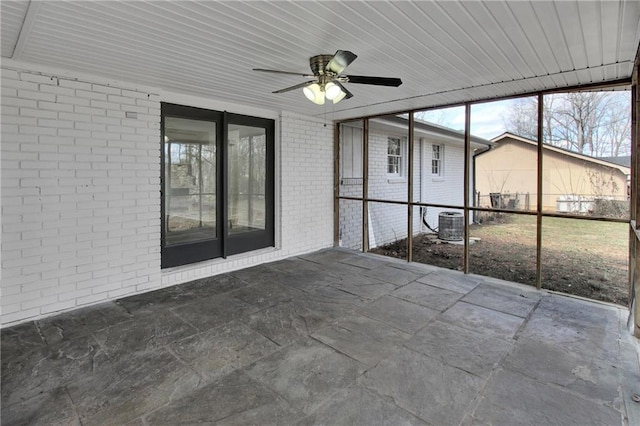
x=27 y=26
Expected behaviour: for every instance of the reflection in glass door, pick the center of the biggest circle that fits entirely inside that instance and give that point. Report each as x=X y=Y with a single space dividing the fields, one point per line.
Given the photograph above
x=249 y=171
x=217 y=184
x=191 y=185
x=247 y=178
x=190 y=171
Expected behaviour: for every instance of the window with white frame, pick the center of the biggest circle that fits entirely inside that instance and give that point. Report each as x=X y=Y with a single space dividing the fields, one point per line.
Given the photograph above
x=437 y=157
x=394 y=156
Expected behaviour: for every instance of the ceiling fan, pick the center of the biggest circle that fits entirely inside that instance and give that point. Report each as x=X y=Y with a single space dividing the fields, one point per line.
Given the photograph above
x=328 y=78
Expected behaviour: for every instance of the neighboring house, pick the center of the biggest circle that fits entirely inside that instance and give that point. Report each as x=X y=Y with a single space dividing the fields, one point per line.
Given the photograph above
x=572 y=182
x=438 y=167
x=622 y=160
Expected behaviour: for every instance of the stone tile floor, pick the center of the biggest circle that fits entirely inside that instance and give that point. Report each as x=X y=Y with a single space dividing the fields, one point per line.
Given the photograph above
x=333 y=337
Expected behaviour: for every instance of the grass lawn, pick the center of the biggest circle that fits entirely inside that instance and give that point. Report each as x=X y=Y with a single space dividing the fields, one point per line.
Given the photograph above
x=607 y=239
x=580 y=257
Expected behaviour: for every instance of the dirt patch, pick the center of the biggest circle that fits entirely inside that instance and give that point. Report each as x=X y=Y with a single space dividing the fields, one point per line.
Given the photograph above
x=506 y=250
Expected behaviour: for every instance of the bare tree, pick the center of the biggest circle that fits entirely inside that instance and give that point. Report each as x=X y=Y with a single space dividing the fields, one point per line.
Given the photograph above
x=617 y=133
x=593 y=123
x=442 y=117
x=522 y=118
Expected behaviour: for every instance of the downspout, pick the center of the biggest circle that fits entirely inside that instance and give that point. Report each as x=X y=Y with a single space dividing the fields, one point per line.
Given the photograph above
x=473 y=163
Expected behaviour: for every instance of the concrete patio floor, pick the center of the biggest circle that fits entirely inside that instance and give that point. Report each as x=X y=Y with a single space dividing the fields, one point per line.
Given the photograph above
x=333 y=337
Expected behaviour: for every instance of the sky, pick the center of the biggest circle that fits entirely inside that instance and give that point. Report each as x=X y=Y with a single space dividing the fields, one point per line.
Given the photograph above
x=612 y=137
x=487 y=119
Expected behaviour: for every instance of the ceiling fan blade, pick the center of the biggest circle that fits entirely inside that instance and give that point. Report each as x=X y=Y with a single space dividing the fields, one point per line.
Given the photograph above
x=348 y=93
x=340 y=61
x=377 y=81
x=284 y=72
x=297 y=86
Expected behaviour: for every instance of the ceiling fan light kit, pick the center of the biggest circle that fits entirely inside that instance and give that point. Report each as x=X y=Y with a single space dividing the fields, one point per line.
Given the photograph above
x=332 y=91
x=327 y=83
x=314 y=93
x=340 y=97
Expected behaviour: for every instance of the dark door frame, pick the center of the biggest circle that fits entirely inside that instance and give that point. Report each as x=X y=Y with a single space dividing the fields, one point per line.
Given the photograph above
x=223 y=244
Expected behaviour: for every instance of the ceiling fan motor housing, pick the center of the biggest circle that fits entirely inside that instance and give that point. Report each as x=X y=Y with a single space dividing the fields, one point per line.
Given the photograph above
x=327 y=70
x=318 y=63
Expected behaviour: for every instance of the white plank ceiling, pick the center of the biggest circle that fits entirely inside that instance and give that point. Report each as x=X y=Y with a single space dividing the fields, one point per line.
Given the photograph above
x=444 y=51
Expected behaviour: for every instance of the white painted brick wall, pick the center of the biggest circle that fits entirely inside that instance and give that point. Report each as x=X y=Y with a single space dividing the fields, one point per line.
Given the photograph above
x=449 y=188
x=71 y=218
x=307 y=184
x=81 y=194
x=388 y=222
x=351 y=224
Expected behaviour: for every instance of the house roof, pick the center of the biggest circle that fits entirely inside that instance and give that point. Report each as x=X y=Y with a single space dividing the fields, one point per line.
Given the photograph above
x=497 y=140
x=427 y=129
x=445 y=52
x=623 y=160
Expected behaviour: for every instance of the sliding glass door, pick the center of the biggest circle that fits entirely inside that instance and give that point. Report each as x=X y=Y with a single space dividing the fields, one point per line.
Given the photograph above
x=217 y=184
x=250 y=183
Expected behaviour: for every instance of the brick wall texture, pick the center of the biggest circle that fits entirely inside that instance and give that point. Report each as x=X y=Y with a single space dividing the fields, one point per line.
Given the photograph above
x=80 y=173
x=388 y=222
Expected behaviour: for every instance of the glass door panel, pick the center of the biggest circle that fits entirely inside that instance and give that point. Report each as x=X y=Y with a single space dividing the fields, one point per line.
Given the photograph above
x=217 y=184
x=190 y=176
x=249 y=184
x=247 y=149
